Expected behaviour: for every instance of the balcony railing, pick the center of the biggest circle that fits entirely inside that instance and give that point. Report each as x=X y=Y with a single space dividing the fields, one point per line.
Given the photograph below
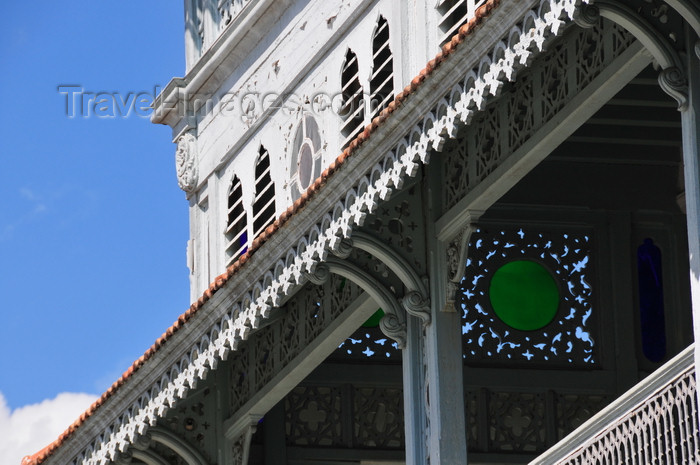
x=654 y=422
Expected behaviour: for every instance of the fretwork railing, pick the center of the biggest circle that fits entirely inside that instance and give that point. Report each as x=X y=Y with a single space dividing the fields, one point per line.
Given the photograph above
x=655 y=422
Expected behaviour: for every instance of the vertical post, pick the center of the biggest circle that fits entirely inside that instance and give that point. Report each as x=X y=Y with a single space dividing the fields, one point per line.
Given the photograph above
x=433 y=391
x=447 y=435
x=690 y=121
x=414 y=394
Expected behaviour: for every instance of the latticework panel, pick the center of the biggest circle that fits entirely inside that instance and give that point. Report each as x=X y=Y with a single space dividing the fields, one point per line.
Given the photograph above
x=532 y=100
x=663 y=429
x=314 y=416
x=345 y=416
x=574 y=409
x=268 y=351
x=378 y=418
x=368 y=344
x=524 y=422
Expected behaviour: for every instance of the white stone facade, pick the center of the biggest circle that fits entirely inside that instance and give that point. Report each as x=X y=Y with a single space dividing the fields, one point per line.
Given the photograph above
x=258 y=97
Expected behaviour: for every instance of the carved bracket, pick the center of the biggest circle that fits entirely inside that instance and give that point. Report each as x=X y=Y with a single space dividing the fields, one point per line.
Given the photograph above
x=457 y=252
x=393 y=324
x=416 y=302
x=672 y=77
x=241 y=433
x=320 y=275
x=186 y=161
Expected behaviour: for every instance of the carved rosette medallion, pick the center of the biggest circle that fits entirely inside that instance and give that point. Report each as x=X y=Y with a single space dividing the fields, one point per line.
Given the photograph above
x=186 y=161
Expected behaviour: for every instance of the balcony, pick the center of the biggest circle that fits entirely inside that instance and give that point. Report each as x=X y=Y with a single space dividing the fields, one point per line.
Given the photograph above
x=654 y=422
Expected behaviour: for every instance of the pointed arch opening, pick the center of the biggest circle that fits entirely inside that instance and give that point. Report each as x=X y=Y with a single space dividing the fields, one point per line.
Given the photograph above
x=381 y=84
x=353 y=106
x=264 y=203
x=236 y=223
x=454 y=14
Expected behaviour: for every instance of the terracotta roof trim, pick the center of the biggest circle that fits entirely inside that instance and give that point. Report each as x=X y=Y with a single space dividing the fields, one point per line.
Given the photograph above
x=549 y=26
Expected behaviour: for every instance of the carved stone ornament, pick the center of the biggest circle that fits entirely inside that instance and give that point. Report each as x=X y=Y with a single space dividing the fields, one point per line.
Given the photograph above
x=673 y=82
x=186 y=162
x=650 y=26
x=241 y=445
x=456 y=255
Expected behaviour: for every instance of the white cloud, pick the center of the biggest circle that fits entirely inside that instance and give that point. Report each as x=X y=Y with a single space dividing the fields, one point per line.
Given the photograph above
x=26 y=430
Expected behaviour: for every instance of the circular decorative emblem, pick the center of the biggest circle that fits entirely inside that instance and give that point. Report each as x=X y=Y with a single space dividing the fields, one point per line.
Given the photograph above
x=305 y=162
x=186 y=162
x=524 y=295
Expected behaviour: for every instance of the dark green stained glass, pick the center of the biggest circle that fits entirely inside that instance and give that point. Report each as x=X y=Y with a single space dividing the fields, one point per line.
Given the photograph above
x=524 y=295
x=373 y=321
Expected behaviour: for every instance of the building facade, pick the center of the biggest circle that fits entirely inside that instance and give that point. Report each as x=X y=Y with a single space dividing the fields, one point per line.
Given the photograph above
x=430 y=232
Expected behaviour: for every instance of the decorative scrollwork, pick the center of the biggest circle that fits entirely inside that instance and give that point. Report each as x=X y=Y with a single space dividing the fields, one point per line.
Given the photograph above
x=281 y=276
x=569 y=339
x=673 y=82
x=418 y=305
x=456 y=253
x=320 y=275
x=241 y=445
x=503 y=127
x=587 y=15
x=186 y=161
x=394 y=328
x=343 y=248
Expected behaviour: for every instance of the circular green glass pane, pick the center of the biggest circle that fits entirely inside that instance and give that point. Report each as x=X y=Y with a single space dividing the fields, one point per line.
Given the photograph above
x=524 y=295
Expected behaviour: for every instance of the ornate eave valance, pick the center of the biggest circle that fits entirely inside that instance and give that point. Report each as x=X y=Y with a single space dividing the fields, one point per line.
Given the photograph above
x=445 y=96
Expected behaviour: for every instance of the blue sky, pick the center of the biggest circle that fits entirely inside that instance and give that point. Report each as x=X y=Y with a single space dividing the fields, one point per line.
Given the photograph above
x=92 y=224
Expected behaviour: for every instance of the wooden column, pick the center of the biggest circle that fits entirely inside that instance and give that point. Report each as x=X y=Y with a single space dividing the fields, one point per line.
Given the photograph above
x=414 y=405
x=690 y=120
x=443 y=347
x=433 y=378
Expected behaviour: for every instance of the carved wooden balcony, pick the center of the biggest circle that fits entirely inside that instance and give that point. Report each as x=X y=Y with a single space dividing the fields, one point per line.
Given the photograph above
x=654 y=422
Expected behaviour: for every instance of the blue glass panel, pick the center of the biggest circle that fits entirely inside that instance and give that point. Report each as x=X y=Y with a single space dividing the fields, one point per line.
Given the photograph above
x=651 y=301
x=243 y=240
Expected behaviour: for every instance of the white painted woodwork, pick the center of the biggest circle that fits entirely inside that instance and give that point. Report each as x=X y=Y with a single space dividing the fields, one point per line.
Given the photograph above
x=556 y=131
x=690 y=119
x=640 y=413
x=260 y=52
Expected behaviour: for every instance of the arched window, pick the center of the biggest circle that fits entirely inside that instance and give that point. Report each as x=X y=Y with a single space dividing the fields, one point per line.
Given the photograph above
x=454 y=14
x=353 y=108
x=651 y=301
x=305 y=164
x=264 y=203
x=381 y=84
x=236 y=225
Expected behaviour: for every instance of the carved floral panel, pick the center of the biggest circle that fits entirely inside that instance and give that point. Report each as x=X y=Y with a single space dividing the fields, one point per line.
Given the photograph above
x=569 y=339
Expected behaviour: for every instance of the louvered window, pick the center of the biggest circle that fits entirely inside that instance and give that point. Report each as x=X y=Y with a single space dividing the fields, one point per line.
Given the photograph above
x=264 y=204
x=236 y=225
x=381 y=84
x=353 y=109
x=453 y=14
